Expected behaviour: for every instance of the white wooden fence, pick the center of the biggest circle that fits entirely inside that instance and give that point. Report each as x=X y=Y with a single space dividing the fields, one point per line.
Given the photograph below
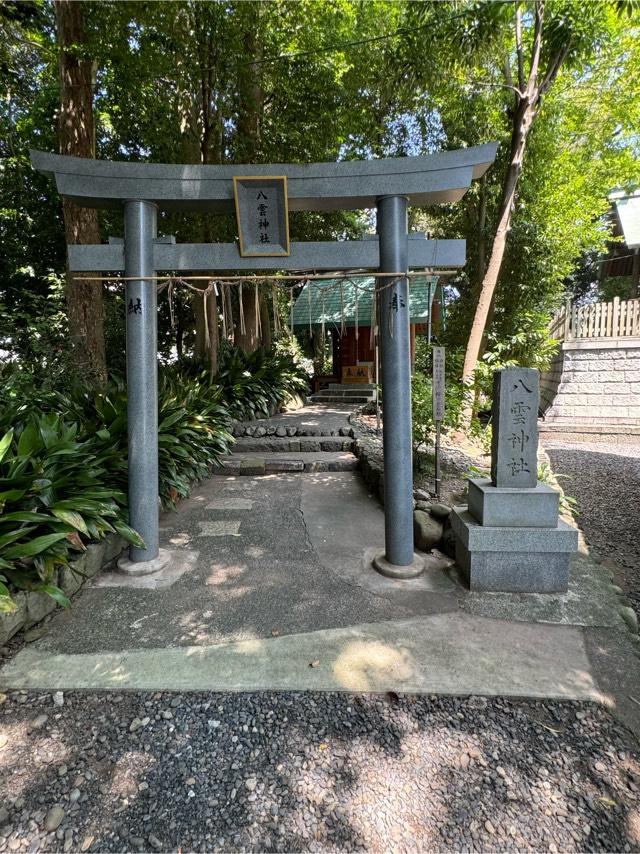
x=616 y=319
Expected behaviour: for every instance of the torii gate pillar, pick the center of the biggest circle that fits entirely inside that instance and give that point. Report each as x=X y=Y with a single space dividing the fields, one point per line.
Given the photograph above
x=399 y=559
x=141 y=298
x=141 y=305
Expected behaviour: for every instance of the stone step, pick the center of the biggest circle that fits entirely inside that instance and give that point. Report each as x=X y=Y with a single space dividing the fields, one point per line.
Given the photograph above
x=334 y=398
x=355 y=387
x=254 y=464
x=347 y=396
x=306 y=444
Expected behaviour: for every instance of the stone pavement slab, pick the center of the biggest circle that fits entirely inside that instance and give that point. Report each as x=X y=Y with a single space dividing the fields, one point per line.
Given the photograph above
x=257 y=571
x=444 y=653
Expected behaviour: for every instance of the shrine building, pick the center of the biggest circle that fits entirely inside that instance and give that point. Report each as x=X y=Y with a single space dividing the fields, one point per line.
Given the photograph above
x=342 y=317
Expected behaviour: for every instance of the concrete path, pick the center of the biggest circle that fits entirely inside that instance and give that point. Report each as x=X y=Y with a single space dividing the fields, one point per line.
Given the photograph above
x=419 y=655
x=275 y=591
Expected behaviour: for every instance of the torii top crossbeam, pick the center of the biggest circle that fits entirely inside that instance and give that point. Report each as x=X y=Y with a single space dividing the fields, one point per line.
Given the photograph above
x=347 y=185
x=436 y=178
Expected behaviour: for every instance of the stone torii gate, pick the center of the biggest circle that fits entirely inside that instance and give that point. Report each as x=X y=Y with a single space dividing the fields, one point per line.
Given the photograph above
x=389 y=185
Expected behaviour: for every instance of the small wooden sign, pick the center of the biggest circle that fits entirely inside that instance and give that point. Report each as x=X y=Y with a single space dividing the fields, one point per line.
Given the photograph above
x=357 y=374
x=438 y=383
x=262 y=212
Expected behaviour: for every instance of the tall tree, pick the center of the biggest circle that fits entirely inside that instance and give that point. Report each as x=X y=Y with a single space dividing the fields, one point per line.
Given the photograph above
x=544 y=40
x=77 y=138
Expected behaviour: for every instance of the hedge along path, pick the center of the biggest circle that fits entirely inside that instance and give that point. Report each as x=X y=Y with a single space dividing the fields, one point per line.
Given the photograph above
x=337 y=280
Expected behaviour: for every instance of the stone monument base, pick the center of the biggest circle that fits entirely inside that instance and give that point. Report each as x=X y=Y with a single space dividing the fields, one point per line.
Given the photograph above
x=513 y=559
x=502 y=507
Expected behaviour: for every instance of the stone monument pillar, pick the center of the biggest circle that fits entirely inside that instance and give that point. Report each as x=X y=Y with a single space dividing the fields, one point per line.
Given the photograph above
x=510 y=538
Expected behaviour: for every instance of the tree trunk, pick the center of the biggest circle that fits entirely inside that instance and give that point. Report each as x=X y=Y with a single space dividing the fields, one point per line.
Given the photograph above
x=228 y=307
x=207 y=343
x=179 y=331
x=251 y=94
x=77 y=138
x=317 y=344
x=482 y=224
x=522 y=121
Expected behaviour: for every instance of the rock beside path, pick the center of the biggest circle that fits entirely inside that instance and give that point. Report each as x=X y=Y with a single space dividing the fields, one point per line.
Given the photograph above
x=427 y=531
x=440 y=511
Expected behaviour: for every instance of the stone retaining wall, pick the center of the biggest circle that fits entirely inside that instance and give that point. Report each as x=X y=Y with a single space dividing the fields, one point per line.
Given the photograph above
x=593 y=383
x=34 y=607
x=371 y=464
x=261 y=429
x=550 y=382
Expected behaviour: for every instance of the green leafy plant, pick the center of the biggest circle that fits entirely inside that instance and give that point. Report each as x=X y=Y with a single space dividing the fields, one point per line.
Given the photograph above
x=254 y=384
x=192 y=433
x=568 y=504
x=63 y=460
x=52 y=502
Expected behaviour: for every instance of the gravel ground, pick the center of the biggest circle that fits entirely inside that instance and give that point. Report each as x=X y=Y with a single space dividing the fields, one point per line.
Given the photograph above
x=605 y=481
x=307 y=772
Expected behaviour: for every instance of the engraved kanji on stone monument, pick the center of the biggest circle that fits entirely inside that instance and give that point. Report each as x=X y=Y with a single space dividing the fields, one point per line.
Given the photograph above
x=514 y=444
x=262 y=215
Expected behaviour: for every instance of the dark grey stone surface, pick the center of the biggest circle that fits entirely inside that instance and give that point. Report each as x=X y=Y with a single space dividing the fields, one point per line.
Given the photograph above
x=310 y=420
x=261 y=211
x=590 y=601
x=502 y=507
x=316 y=255
x=285 y=571
x=435 y=178
x=514 y=442
x=514 y=572
x=251 y=466
x=283 y=465
x=477 y=537
x=427 y=531
x=513 y=560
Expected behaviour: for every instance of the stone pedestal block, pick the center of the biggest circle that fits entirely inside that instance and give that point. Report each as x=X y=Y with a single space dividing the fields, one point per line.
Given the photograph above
x=501 y=507
x=513 y=560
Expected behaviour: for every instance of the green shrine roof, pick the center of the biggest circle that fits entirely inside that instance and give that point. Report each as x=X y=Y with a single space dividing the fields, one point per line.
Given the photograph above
x=335 y=298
